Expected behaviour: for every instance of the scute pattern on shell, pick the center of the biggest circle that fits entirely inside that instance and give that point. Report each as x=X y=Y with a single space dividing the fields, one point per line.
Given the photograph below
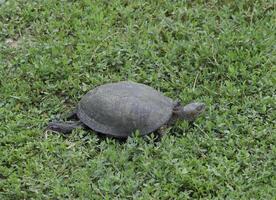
x=119 y=109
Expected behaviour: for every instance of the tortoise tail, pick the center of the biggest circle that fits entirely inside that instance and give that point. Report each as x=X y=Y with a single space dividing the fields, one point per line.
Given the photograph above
x=64 y=127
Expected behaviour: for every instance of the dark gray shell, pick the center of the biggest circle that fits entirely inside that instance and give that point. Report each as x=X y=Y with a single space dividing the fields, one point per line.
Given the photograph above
x=119 y=109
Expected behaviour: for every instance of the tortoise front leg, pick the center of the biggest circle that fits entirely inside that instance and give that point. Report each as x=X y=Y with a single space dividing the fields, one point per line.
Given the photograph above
x=162 y=131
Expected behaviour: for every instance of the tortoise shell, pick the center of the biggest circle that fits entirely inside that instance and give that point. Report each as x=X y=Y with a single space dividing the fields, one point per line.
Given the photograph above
x=119 y=109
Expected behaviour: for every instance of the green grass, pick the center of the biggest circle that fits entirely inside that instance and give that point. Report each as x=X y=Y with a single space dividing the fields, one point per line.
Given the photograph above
x=220 y=52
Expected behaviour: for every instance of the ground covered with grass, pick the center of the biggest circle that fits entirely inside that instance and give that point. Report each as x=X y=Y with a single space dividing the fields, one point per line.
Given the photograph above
x=220 y=52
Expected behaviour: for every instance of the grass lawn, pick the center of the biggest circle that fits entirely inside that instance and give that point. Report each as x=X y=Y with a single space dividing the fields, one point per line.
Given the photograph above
x=220 y=52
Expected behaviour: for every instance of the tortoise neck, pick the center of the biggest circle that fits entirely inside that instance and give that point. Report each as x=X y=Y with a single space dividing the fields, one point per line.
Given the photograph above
x=181 y=113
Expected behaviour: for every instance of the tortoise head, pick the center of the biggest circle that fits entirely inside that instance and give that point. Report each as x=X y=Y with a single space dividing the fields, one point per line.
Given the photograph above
x=190 y=112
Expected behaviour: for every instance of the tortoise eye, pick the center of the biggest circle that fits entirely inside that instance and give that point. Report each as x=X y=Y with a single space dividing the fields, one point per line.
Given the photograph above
x=200 y=107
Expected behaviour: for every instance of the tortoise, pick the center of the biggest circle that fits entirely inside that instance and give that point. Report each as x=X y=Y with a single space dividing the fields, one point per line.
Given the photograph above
x=119 y=109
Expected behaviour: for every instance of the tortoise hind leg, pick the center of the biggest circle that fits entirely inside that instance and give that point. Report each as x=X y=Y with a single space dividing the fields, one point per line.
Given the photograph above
x=72 y=115
x=64 y=127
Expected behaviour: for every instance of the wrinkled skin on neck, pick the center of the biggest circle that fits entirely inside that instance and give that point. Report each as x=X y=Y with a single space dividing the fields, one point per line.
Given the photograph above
x=189 y=112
